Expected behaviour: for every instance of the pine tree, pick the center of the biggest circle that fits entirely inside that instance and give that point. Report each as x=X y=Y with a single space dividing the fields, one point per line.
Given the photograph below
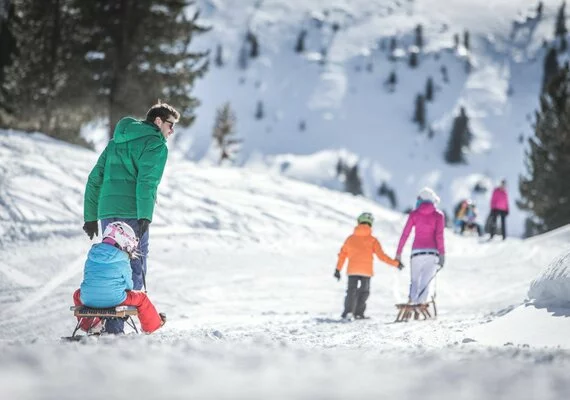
x=550 y=67
x=253 y=44
x=340 y=167
x=352 y=182
x=259 y=113
x=561 y=30
x=43 y=82
x=539 y=9
x=219 y=58
x=385 y=190
x=466 y=41
x=335 y=27
x=243 y=57
x=413 y=60
x=560 y=27
x=77 y=60
x=393 y=44
x=420 y=111
x=545 y=190
x=455 y=40
x=444 y=75
x=419 y=37
x=459 y=139
x=429 y=89
x=145 y=54
x=8 y=44
x=224 y=131
x=300 y=46
x=391 y=81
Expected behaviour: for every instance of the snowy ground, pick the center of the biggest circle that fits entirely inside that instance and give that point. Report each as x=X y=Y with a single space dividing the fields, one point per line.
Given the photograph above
x=242 y=263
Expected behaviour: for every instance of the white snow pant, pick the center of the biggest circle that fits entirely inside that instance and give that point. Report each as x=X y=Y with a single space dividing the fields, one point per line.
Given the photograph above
x=422 y=269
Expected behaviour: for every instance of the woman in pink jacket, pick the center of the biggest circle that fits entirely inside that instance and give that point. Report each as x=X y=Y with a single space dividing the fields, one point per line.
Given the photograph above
x=428 y=249
x=499 y=207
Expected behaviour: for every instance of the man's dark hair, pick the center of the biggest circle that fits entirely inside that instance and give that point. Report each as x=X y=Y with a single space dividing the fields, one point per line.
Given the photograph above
x=163 y=111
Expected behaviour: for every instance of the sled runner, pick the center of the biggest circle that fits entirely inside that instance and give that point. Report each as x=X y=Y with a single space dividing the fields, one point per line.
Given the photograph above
x=407 y=311
x=89 y=318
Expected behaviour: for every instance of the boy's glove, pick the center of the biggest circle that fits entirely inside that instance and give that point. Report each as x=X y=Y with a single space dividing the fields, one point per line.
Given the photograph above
x=441 y=260
x=337 y=274
x=400 y=266
x=143 y=226
x=91 y=228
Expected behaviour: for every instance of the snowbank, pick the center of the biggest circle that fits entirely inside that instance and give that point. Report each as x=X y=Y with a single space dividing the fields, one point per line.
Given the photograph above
x=544 y=319
x=552 y=287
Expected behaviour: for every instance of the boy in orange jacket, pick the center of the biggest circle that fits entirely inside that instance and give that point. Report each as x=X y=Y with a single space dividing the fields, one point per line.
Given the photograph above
x=360 y=248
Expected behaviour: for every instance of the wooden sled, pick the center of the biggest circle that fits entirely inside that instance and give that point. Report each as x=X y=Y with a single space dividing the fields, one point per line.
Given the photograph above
x=84 y=313
x=415 y=311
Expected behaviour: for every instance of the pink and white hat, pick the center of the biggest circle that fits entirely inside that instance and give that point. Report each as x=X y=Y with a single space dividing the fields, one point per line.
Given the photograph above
x=121 y=234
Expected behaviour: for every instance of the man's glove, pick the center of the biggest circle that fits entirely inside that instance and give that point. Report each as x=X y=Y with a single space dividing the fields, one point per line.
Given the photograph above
x=143 y=226
x=337 y=274
x=400 y=266
x=91 y=228
x=441 y=260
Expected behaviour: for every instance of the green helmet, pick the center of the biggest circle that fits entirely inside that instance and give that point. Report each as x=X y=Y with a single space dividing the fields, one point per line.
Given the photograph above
x=366 y=218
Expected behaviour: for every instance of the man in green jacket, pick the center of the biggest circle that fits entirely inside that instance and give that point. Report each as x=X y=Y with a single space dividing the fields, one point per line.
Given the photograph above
x=123 y=184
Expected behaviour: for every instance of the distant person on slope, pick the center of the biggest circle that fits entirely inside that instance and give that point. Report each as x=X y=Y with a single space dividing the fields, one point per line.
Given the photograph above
x=123 y=184
x=499 y=207
x=107 y=279
x=467 y=217
x=428 y=249
x=359 y=248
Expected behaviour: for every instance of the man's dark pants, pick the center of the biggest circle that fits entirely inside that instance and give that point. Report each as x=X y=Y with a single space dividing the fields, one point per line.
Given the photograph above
x=356 y=296
x=138 y=265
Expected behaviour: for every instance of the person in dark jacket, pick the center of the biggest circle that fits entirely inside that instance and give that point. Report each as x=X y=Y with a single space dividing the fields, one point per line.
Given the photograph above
x=123 y=184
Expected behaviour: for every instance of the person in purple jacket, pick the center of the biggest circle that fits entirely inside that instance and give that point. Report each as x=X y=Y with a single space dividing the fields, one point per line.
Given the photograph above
x=499 y=207
x=428 y=249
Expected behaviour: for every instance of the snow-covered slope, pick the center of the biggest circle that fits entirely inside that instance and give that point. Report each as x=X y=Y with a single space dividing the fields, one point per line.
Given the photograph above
x=242 y=262
x=345 y=106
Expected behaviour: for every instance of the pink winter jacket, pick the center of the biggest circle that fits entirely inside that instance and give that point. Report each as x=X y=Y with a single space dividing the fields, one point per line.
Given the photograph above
x=429 y=223
x=500 y=200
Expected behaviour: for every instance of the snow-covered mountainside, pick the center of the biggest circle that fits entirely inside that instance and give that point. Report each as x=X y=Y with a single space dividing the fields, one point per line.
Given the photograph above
x=320 y=107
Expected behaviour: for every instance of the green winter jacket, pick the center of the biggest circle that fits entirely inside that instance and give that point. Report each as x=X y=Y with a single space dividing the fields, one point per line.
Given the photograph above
x=124 y=181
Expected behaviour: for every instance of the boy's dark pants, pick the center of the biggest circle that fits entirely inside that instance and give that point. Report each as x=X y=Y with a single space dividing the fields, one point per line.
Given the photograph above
x=355 y=300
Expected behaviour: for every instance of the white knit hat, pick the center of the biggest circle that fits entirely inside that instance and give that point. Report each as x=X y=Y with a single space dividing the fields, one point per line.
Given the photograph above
x=426 y=194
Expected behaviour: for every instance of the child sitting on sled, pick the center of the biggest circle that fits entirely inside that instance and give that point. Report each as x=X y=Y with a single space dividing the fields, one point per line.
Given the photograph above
x=360 y=248
x=107 y=279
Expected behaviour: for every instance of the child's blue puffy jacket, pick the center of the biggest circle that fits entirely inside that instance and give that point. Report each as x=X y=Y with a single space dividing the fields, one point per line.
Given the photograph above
x=106 y=276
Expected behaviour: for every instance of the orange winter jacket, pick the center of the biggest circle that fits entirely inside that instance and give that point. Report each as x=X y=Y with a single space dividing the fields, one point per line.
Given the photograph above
x=359 y=248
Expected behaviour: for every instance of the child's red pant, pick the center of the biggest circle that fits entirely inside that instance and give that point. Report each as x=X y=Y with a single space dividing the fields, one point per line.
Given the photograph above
x=148 y=316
